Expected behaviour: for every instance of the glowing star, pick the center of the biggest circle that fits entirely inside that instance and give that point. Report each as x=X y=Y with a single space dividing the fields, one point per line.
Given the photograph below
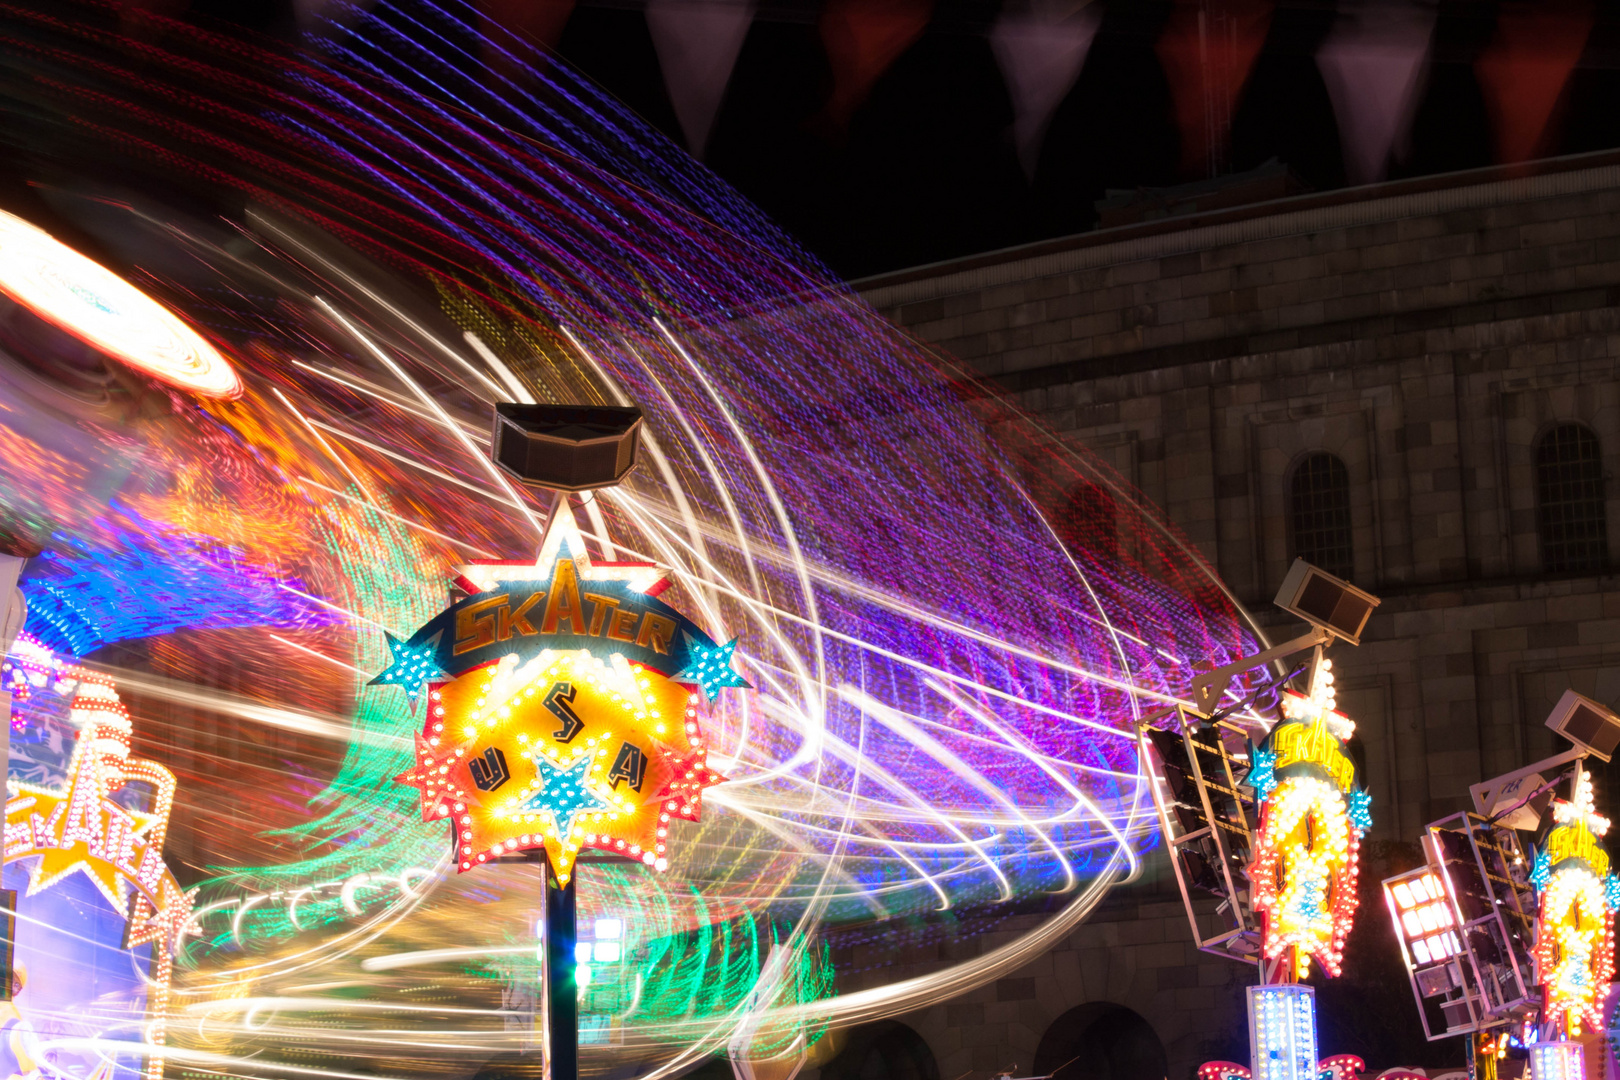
x=1575 y=927
x=683 y=795
x=1540 y=870
x=430 y=777
x=710 y=668
x=414 y=666
x=98 y=307
x=564 y=793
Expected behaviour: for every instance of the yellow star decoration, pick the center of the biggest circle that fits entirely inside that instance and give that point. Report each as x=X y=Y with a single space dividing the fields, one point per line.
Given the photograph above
x=505 y=741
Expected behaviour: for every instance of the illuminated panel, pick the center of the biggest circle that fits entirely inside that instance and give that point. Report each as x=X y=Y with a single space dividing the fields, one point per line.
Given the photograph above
x=1282 y=1032
x=1556 y=1061
x=103 y=310
x=1423 y=919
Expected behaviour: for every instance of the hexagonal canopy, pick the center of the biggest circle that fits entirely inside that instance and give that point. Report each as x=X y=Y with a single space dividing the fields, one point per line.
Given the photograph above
x=566 y=447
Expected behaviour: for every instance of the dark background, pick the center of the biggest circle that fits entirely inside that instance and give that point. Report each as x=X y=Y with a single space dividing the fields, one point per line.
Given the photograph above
x=925 y=168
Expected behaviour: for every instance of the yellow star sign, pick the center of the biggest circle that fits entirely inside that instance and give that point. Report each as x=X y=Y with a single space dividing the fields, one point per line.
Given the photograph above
x=561 y=753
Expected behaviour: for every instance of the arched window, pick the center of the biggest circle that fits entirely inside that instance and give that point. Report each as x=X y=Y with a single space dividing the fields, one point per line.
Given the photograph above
x=1570 y=514
x=1101 y=1041
x=884 y=1051
x=1320 y=505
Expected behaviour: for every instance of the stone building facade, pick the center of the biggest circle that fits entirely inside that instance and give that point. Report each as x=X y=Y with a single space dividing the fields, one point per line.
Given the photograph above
x=1418 y=382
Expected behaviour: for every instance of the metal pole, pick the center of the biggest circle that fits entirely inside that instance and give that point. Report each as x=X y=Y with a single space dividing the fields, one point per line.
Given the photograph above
x=560 y=1020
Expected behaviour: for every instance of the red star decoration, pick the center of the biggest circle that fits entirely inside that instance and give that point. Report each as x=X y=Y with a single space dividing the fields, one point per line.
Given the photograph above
x=683 y=795
x=431 y=778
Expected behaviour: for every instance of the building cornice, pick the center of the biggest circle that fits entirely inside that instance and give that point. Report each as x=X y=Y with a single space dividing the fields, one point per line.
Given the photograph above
x=1300 y=214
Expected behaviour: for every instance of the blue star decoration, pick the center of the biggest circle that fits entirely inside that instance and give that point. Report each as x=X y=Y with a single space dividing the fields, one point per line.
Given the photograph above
x=1360 y=811
x=1308 y=901
x=563 y=793
x=1262 y=772
x=709 y=669
x=414 y=666
x=1540 y=870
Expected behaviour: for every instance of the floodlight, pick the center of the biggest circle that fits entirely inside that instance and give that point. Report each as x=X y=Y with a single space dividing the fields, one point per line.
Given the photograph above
x=1591 y=726
x=1326 y=601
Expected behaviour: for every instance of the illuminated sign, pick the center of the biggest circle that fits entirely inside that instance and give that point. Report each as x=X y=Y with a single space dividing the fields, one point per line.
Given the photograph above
x=81 y=829
x=103 y=310
x=562 y=708
x=1575 y=927
x=1312 y=817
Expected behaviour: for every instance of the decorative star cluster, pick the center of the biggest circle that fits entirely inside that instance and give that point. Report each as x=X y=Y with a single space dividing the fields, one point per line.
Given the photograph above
x=710 y=668
x=413 y=667
x=561 y=749
x=1581 y=809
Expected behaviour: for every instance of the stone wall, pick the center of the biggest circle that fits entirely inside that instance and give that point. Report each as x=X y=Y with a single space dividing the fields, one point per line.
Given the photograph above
x=1426 y=334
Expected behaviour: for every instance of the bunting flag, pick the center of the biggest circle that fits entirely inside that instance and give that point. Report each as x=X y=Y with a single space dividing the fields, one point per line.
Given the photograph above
x=1041 y=50
x=1522 y=73
x=1208 y=49
x=862 y=38
x=697 y=43
x=1373 y=64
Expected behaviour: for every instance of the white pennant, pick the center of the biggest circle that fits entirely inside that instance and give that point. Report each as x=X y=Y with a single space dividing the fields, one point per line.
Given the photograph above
x=1372 y=64
x=1041 y=48
x=697 y=43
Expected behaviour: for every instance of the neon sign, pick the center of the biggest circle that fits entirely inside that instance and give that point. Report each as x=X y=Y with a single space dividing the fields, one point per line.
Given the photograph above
x=81 y=829
x=1312 y=818
x=562 y=708
x=1575 y=932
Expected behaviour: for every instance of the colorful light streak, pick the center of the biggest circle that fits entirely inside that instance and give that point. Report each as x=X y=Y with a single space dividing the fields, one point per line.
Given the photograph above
x=944 y=693
x=102 y=309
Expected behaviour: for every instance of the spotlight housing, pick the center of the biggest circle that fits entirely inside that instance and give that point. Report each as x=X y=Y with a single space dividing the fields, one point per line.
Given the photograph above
x=1589 y=725
x=1326 y=601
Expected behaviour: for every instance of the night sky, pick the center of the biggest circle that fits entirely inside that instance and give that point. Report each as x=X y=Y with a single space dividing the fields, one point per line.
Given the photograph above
x=923 y=167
